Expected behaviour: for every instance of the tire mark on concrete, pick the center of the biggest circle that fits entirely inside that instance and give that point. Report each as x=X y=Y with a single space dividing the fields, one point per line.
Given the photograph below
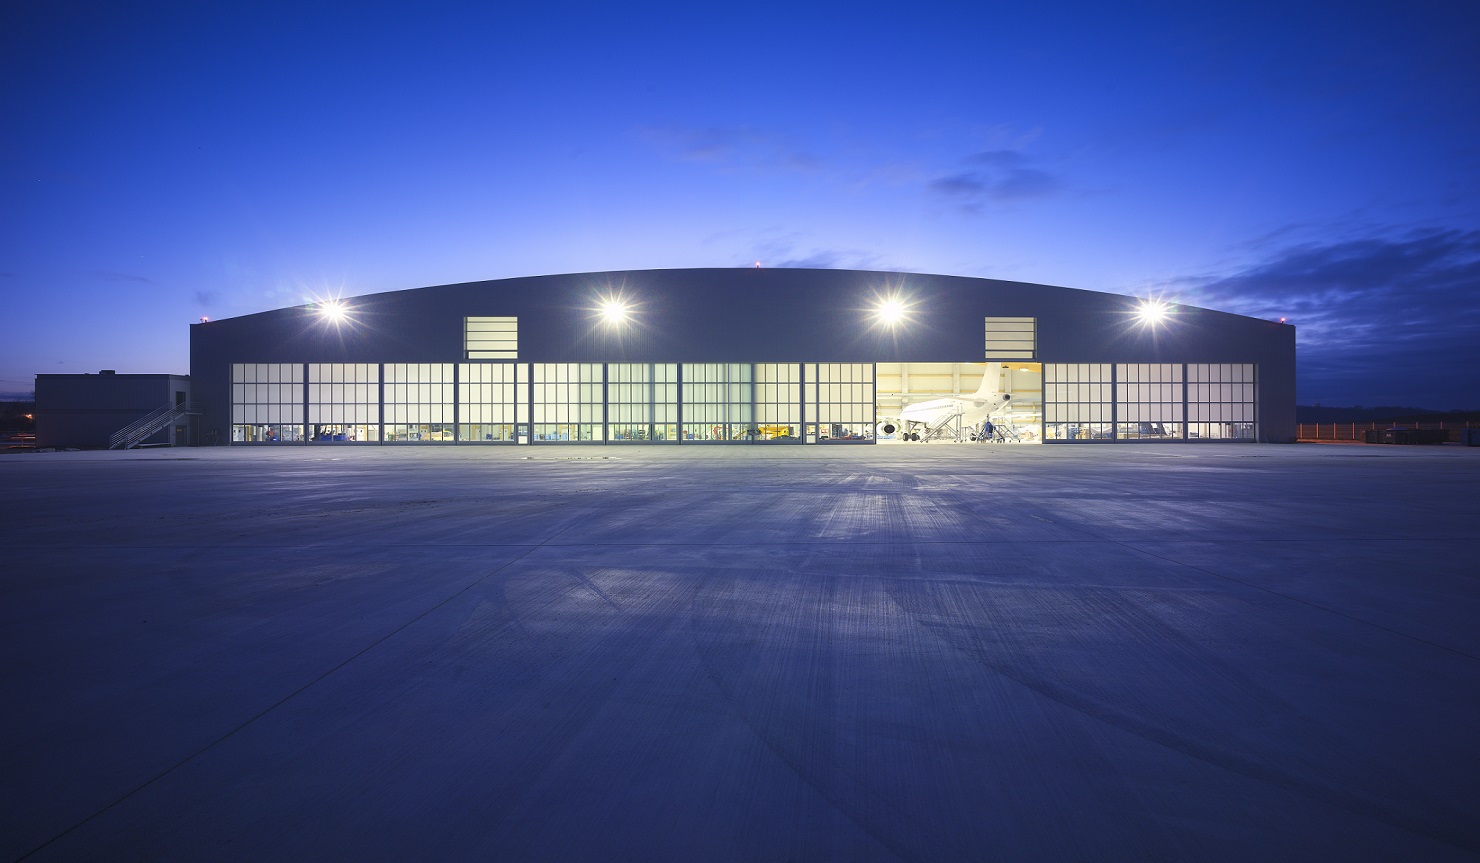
x=847 y=691
x=1035 y=641
x=720 y=659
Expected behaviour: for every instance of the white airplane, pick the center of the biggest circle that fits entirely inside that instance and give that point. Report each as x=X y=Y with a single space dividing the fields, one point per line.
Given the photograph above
x=987 y=402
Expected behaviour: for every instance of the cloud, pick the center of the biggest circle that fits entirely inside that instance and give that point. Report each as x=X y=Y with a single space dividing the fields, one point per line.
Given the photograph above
x=206 y=298
x=732 y=147
x=774 y=247
x=1362 y=292
x=996 y=176
x=1022 y=183
x=110 y=276
x=1001 y=175
x=1000 y=159
x=1393 y=317
x=833 y=259
x=960 y=185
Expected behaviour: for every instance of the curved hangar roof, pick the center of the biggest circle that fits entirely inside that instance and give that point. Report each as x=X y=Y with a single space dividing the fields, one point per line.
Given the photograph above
x=748 y=314
x=741 y=315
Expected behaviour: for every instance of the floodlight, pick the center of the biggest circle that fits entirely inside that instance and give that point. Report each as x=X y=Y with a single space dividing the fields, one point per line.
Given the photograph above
x=1153 y=312
x=333 y=311
x=614 y=311
x=891 y=311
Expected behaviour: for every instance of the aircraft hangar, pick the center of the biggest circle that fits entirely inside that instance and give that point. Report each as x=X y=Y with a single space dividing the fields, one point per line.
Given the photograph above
x=750 y=356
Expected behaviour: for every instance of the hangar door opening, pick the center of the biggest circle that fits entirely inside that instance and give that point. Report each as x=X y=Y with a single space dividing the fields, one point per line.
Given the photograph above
x=966 y=403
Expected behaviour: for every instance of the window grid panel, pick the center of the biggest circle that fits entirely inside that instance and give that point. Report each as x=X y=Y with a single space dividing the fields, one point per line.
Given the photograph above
x=491 y=401
x=840 y=399
x=491 y=338
x=1221 y=401
x=1149 y=399
x=778 y=398
x=267 y=402
x=1077 y=401
x=717 y=402
x=1011 y=338
x=642 y=401
x=418 y=402
x=344 y=402
x=568 y=403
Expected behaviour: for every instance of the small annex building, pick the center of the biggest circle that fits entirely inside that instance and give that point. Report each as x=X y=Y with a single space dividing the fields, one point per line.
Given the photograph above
x=108 y=409
x=737 y=356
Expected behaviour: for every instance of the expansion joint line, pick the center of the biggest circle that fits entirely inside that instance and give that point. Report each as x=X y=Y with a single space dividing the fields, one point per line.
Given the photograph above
x=1305 y=602
x=290 y=696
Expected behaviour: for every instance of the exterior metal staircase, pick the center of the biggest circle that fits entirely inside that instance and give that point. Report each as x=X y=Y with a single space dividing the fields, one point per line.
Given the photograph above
x=135 y=432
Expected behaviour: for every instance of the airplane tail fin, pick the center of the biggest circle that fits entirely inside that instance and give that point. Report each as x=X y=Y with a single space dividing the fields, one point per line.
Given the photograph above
x=990 y=381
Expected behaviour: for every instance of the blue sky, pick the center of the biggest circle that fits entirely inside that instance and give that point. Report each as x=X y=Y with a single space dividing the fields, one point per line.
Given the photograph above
x=1318 y=161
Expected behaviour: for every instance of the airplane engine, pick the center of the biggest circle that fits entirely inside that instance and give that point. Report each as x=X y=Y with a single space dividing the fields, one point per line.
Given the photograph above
x=887 y=428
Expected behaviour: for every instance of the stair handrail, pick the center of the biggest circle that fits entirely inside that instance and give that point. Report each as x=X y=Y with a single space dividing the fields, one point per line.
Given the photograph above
x=151 y=422
x=123 y=433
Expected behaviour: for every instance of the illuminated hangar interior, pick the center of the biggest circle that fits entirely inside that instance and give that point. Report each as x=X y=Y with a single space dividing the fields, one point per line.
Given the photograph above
x=741 y=357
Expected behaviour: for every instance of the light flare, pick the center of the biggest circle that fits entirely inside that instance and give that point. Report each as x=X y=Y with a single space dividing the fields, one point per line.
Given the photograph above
x=614 y=311
x=1153 y=312
x=891 y=311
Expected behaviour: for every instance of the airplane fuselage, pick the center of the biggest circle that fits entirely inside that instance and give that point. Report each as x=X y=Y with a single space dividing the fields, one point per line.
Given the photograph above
x=986 y=402
x=970 y=410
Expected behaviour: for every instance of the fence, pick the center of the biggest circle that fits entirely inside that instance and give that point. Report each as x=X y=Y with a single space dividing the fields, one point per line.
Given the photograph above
x=1357 y=431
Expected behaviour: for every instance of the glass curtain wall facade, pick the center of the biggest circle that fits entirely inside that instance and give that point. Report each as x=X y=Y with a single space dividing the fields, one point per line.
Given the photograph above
x=1149 y=401
x=344 y=402
x=508 y=402
x=745 y=402
x=842 y=395
x=642 y=402
x=569 y=402
x=1220 y=401
x=1077 y=401
x=717 y=402
x=267 y=403
x=493 y=401
x=419 y=403
x=778 y=402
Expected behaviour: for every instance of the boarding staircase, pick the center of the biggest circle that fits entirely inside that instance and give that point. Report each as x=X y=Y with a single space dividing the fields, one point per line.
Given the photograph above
x=948 y=428
x=139 y=430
